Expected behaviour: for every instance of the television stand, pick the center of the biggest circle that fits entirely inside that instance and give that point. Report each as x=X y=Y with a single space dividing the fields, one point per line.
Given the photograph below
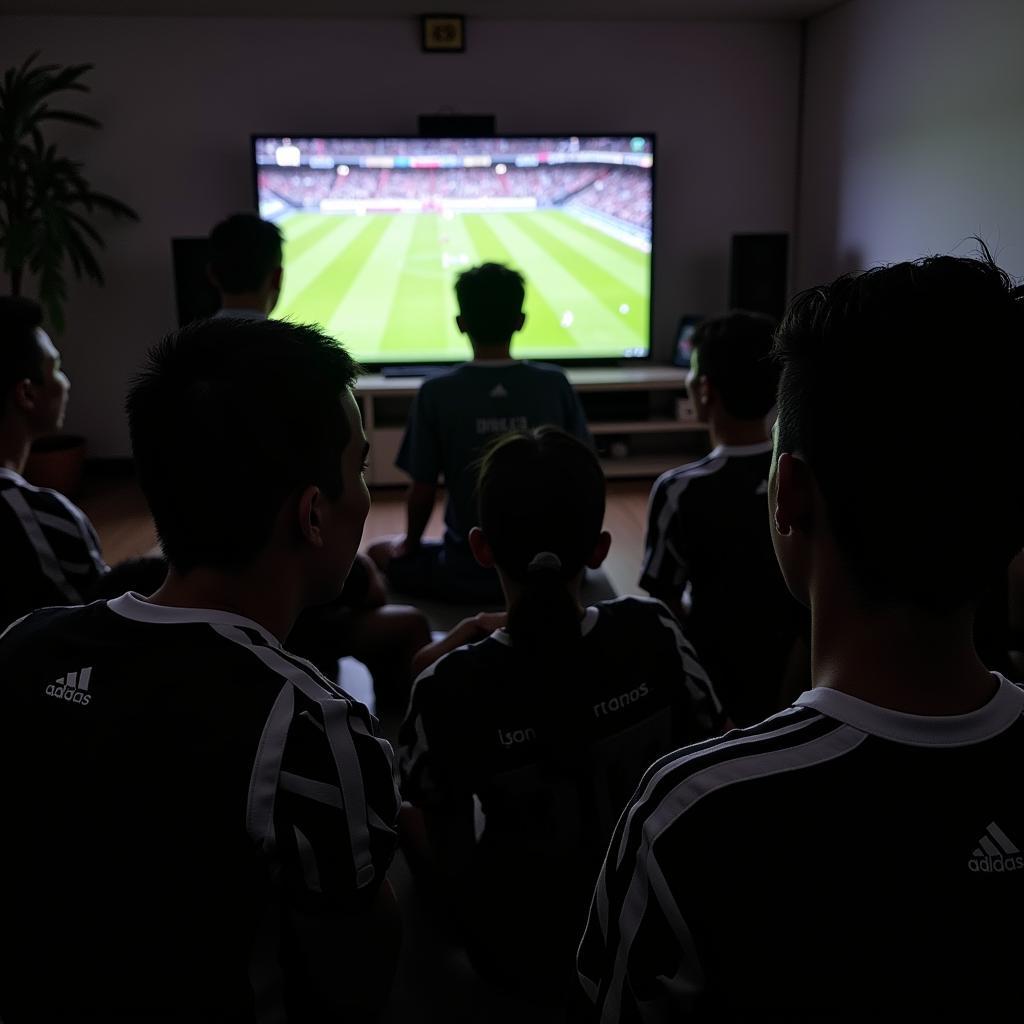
x=412 y=371
x=640 y=417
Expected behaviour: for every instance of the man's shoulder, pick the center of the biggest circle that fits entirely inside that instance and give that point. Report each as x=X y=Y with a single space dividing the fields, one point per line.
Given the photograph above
x=699 y=478
x=635 y=611
x=797 y=738
x=38 y=499
x=548 y=370
x=444 y=379
x=40 y=627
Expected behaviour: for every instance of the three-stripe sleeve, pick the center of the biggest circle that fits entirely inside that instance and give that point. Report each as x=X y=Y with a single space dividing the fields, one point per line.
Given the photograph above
x=635 y=918
x=322 y=799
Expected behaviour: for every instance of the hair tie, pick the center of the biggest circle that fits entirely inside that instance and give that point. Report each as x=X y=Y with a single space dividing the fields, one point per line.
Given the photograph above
x=544 y=561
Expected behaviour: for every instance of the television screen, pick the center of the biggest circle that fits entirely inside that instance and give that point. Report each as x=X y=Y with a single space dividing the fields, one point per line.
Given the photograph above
x=377 y=229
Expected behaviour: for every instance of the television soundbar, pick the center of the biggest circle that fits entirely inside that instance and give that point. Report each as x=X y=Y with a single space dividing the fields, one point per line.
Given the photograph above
x=377 y=229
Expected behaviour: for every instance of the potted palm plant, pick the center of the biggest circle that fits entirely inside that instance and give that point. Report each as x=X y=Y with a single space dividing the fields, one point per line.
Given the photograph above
x=47 y=213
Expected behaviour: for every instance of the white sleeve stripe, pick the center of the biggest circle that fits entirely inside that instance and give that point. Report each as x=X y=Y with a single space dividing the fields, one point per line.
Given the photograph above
x=84 y=526
x=338 y=729
x=657 y=547
x=77 y=568
x=47 y=559
x=671 y=766
x=687 y=655
x=307 y=858
x=836 y=743
x=312 y=789
x=266 y=770
x=689 y=979
x=52 y=522
x=407 y=757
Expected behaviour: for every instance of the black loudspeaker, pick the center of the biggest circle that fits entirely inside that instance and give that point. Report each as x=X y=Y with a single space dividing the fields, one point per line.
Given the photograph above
x=195 y=295
x=448 y=126
x=757 y=274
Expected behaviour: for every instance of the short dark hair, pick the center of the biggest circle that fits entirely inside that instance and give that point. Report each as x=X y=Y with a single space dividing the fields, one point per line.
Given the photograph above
x=490 y=299
x=736 y=357
x=900 y=388
x=243 y=251
x=541 y=491
x=228 y=419
x=20 y=355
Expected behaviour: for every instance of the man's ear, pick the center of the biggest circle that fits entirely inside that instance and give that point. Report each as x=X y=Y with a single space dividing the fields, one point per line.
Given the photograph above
x=308 y=514
x=23 y=395
x=460 y=323
x=706 y=392
x=794 y=495
x=211 y=277
x=600 y=552
x=481 y=548
x=275 y=278
x=520 y=322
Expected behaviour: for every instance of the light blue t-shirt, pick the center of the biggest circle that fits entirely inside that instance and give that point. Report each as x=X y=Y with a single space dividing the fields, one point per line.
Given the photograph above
x=457 y=413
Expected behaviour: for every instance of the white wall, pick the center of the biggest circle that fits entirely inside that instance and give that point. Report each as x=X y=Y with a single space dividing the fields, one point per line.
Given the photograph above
x=912 y=137
x=180 y=96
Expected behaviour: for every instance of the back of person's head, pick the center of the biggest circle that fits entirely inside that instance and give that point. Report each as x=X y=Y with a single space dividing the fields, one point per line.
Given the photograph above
x=734 y=352
x=229 y=420
x=541 y=500
x=490 y=299
x=901 y=389
x=244 y=252
x=20 y=355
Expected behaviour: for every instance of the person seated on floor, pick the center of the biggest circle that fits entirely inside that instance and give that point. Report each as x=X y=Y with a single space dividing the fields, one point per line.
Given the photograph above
x=706 y=524
x=203 y=818
x=51 y=554
x=546 y=725
x=246 y=266
x=851 y=857
x=453 y=418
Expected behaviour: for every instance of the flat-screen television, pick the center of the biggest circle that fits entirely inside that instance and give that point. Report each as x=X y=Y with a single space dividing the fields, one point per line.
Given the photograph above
x=377 y=229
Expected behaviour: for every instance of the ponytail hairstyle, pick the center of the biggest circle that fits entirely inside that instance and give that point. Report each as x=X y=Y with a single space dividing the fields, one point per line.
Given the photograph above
x=541 y=502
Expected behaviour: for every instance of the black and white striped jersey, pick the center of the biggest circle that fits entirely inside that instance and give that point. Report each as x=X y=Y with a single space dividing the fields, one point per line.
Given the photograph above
x=50 y=552
x=707 y=526
x=172 y=780
x=551 y=757
x=837 y=860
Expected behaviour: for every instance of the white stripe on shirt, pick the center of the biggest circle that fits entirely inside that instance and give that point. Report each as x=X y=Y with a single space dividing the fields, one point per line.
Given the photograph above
x=47 y=558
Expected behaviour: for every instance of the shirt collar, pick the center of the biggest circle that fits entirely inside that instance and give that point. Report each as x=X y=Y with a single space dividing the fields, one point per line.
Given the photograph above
x=587 y=624
x=1005 y=707
x=133 y=606
x=10 y=474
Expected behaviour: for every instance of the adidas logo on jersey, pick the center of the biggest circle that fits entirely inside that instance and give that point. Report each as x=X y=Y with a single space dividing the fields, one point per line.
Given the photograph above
x=498 y=391
x=72 y=688
x=623 y=700
x=995 y=853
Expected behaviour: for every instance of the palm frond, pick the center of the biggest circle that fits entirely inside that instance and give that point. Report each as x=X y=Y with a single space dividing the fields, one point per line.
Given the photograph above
x=47 y=205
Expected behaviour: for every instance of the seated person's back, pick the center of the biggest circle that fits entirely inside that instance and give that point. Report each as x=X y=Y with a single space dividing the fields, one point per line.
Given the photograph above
x=455 y=415
x=203 y=819
x=51 y=555
x=857 y=856
x=708 y=524
x=549 y=723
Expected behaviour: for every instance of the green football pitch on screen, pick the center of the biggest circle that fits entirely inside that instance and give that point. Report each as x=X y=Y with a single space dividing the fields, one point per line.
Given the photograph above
x=383 y=282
